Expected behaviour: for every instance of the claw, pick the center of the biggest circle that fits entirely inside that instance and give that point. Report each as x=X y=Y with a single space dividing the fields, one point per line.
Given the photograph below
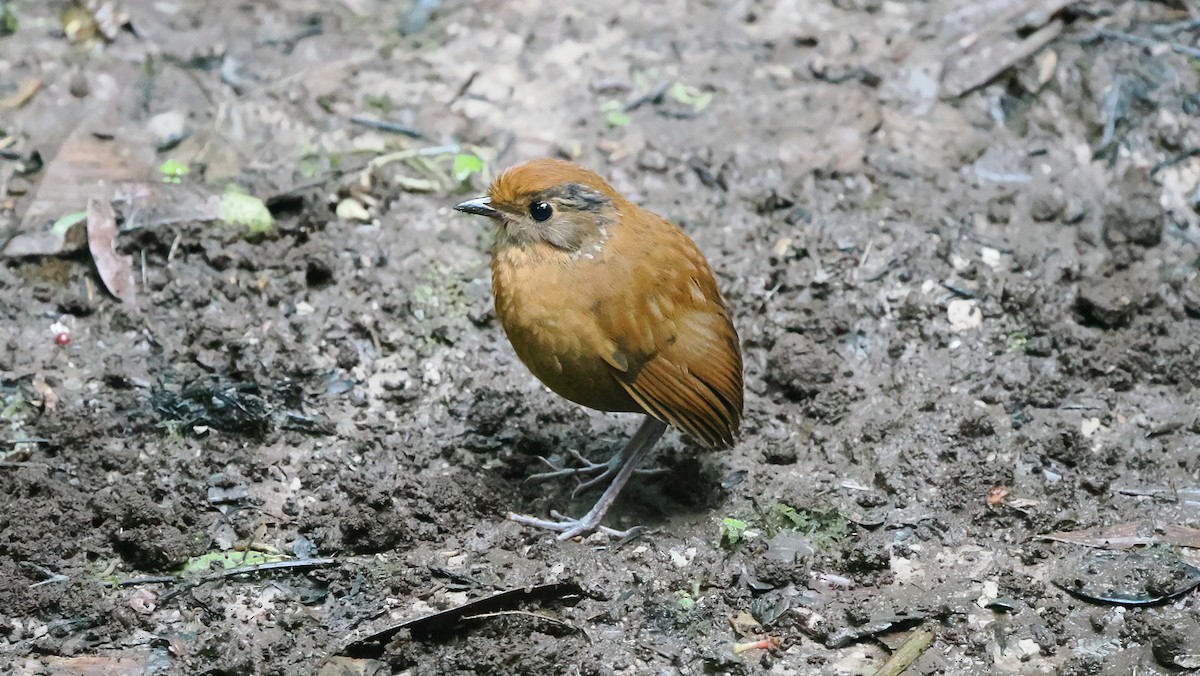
x=569 y=528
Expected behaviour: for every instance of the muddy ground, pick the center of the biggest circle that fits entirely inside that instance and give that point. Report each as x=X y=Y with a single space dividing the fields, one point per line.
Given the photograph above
x=969 y=308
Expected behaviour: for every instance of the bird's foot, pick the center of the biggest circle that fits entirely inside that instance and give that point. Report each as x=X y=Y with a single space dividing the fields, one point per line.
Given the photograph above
x=598 y=472
x=568 y=528
x=586 y=467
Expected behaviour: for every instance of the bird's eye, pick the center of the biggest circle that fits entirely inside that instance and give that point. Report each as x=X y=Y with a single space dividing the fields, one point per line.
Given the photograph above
x=540 y=211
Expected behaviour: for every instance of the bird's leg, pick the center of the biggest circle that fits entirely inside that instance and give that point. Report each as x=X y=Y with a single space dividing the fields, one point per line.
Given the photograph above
x=627 y=461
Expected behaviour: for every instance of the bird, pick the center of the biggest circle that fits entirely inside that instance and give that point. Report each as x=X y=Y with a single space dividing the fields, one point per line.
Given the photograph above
x=614 y=308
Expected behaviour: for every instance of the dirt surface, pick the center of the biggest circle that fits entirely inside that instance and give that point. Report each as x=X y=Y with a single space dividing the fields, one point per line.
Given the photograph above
x=968 y=322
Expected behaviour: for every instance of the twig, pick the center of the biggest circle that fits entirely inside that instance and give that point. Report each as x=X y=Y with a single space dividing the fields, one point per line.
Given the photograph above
x=916 y=645
x=959 y=291
x=51 y=576
x=1178 y=27
x=465 y=86
x=862 y=261
x=6 y=463
x=384 y=125
x=186 y=584
x=293 y=192
x=21 y=96
x=137 y=581
x=526 y=613
x=415 y=152
x=315 y=27
x=1175 y=159
x=1140 y=41
x=649 y=97
x=446 y=622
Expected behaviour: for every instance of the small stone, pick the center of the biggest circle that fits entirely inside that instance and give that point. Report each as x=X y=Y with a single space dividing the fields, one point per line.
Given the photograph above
x=1075 y=212
x=1047 y=206
x=798 y=215
x=167 y=130
x=999 y=209
x=963 y=315
x=1135 y=217
x=1177 y=644
x=780 y=453
x=652 y=159
x=79 y=86
x=1105 y=306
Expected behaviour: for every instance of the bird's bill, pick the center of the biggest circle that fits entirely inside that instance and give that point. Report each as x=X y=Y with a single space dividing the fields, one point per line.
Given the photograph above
x=480 y=206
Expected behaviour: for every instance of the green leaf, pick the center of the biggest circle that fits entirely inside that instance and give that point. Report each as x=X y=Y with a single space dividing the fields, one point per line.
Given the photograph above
x=211 y=561
x=248 y=211
x=8 y=20
x=1017 y=341
x=615 y=114
x=618 y=119
x=686 y=602
x=466 y=164
x=68 y=221
x=823 y=528
x=690 y=96
x=173 y=170
x=731 y=531
x=785 y=516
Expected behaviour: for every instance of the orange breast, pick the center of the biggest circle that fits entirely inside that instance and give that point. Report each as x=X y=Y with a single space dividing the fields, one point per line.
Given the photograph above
x=543 y=301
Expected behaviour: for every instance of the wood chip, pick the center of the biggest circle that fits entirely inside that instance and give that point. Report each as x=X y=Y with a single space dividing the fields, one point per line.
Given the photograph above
x=1118 y=537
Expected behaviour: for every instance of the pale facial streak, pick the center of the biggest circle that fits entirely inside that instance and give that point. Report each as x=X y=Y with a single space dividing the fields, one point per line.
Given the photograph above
x=579 y=227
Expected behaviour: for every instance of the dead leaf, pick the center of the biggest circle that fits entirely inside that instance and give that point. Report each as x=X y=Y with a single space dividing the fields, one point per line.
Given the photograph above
x=995 y=39
x=997 y=495
x=124 y=663
x=144 y=600
x=46 y=393
x=116 y=271
x=744 y=624
x=21 y=96
x=1119 y=537
x=1180 y=535
x=149 y=205
x=84 y=167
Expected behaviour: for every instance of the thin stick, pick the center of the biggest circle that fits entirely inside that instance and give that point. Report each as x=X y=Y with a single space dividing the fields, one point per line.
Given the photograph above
x=415 y=152
x=916 y=645
x=384 y=125
x=1140 y=41
x=186 y=584
x=526 y=613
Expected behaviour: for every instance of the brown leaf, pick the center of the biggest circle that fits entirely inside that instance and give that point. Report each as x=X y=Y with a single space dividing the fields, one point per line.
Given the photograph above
x=116 y=271
x=124 y=663
x=21 y=96
x=1180 y=535
x=149 y=205
x=46 y=393
x=85 y=166
x=1121 y=536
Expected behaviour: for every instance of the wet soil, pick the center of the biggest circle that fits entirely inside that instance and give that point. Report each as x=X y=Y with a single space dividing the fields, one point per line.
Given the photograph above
x=968 y=323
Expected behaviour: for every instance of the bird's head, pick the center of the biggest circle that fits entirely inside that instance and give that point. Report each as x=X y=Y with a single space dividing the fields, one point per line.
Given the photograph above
x=549 y=201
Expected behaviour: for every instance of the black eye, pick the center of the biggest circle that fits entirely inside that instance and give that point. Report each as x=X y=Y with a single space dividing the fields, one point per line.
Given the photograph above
x=541 y=211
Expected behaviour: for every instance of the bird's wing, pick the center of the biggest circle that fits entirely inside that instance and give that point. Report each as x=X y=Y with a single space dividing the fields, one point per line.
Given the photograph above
x=672 y=346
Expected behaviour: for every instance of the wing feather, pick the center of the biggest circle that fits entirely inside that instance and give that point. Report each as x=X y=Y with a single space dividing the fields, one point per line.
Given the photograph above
x=676 y=352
